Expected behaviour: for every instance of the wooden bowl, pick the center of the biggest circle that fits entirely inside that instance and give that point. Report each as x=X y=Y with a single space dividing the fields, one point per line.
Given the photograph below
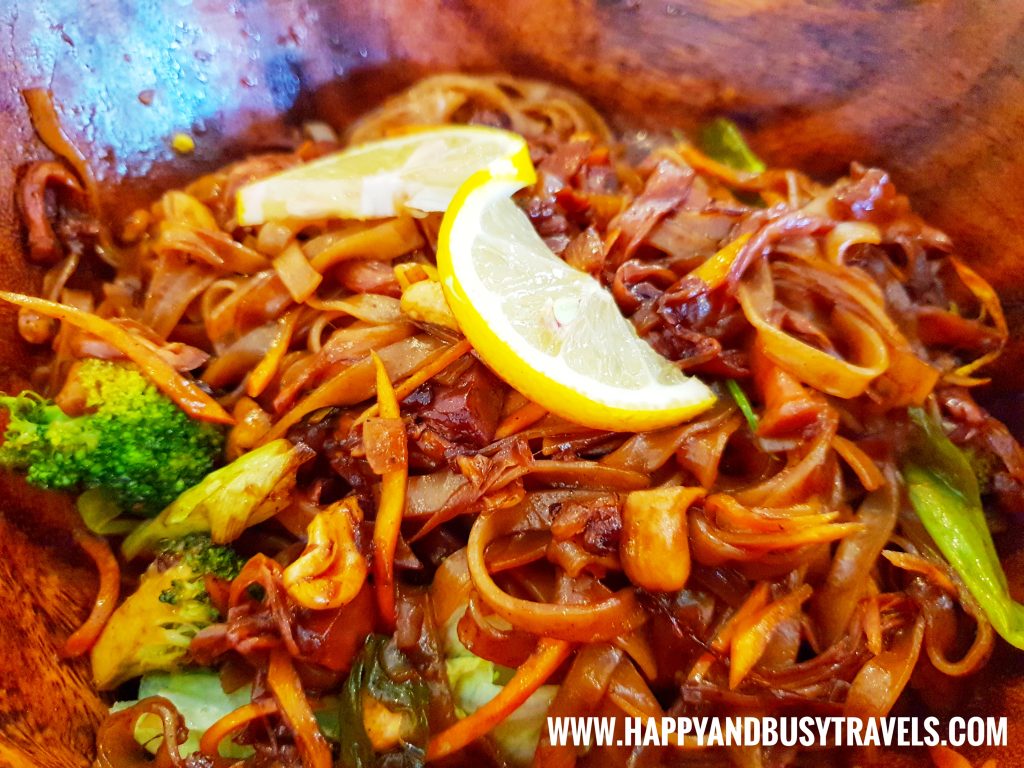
x=932 y=91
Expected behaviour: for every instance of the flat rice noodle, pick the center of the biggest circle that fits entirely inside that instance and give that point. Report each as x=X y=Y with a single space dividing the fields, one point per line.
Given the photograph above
x=352 y=343
x=173 y=286
x=295 y=271
x=846 y=234
x=428 y=494
x=517 y=550
x=368 y=307
x=357 y=382
x=814 y=367
x=908 y=380
x=345 y=345
x=603 y=620
x=880 y=682
x=975 y=656
x=483 y=638
x=637 y=646
x=798 y=480
x=254 y=301
x=233 y=364
x=450 y=590
x=587 y=474
x=647 y=452
x=574 y=560
x=579 y=695
x=630 y=692
x=665 y=189
x=701 y=455
x=836 y=599
x=235 y=256
x=386 y=241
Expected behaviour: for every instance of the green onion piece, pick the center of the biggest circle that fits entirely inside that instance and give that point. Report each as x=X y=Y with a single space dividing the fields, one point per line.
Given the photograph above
x=722 y=140
x=943 y=491
x=743 y=403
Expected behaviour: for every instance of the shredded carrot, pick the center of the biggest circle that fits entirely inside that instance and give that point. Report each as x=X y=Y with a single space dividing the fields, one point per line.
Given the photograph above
x=873 y=619
x=986 y=295
x=756 y=600
x=284 y=683
x=915 y=564
x=520 y=419
x=715 y=270
x=742 y=180
x=264 y=371
x=548 y=656
x=392 y=504
x=209 y=744
x=867 y=471
x=429 y=370
x=185 y=392
x=109 y=590
x=753 y=633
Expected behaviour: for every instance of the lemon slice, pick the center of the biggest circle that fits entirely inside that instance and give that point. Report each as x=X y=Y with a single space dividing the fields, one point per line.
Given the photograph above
x=418 y=171
x=551 y=331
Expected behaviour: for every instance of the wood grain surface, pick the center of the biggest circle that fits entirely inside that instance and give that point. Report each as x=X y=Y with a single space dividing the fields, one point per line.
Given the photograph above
x=933 y=90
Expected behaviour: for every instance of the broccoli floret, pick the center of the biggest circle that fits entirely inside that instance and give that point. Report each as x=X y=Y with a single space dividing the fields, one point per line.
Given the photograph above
x=131 y=442
x=152 y=629
x=199 y=552
x=253 y=488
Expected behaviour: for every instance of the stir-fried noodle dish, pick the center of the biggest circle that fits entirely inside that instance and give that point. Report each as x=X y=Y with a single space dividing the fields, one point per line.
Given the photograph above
x=391 y=446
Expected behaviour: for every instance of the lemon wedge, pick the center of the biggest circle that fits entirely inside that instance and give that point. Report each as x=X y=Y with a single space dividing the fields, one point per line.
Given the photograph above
x=419 y=171
x=550 y=330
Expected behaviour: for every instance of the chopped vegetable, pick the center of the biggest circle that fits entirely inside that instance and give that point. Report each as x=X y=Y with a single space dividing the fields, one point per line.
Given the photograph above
x=743 y=403
x=249 y=490
x=284 y=683
x=722 y=140
x=475 y=681
x=198 y=695
x=394 y=482
x=131 y=443
x=527 y=680
x=944 y=492
x=382 y=716
x=151 y=630
x=714 y=271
